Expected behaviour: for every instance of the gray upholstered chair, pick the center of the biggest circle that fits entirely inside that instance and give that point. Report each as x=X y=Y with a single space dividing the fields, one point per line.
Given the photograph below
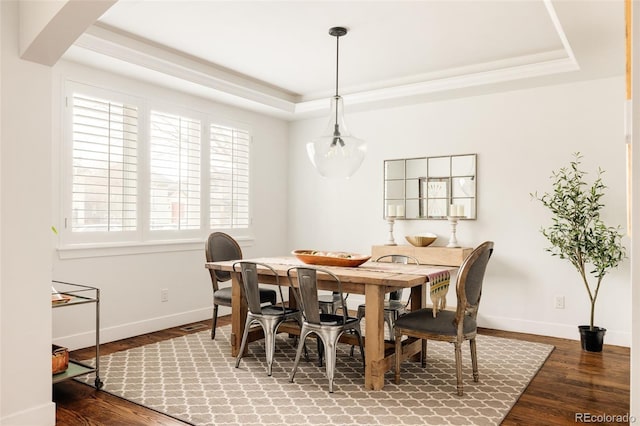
x=268 y=316
x=454 y=327
x=220 y=247
x=328 y=327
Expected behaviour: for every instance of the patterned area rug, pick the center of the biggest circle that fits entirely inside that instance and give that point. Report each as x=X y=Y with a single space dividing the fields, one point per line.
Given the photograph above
x=193 y=378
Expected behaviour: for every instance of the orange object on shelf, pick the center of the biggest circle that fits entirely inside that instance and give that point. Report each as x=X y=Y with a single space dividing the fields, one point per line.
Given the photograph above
x=59 y=359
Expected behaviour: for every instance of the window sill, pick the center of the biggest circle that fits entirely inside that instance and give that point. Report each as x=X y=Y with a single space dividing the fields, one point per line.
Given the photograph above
x=79 y=251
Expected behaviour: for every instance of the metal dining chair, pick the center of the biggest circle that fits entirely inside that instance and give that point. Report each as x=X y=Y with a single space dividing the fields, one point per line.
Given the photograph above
x=394 y=306
x=454 y=327
x=330 y=303
x=328 y=327
x=220 y=247
x=269 y=317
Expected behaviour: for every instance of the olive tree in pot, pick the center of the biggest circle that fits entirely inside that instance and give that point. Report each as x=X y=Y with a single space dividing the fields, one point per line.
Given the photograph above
x=579 y=235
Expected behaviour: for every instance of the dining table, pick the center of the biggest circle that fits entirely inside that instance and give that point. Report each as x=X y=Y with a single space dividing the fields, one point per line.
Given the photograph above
x=372 y=279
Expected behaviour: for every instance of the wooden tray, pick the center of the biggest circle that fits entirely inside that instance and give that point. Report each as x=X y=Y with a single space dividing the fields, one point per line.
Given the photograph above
x=315 y=257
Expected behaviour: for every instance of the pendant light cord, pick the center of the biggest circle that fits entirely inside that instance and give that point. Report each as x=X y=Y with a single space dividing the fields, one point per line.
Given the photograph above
x=337 y=60
x=337 y=68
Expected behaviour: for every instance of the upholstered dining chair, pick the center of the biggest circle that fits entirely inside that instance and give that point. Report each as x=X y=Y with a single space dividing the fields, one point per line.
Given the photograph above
x=268 y=316
x=220 y=247
x=449 y=326
x=328 y=327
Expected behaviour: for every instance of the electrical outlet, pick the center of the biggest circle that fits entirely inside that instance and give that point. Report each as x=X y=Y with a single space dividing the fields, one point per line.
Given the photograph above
x=164 y=295
x=559 y=302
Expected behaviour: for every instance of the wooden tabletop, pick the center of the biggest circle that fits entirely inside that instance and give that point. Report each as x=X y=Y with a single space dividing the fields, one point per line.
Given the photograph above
x=378 y=273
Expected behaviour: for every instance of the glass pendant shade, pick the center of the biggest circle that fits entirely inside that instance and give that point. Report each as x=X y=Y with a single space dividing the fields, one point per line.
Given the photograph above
x=336 y=153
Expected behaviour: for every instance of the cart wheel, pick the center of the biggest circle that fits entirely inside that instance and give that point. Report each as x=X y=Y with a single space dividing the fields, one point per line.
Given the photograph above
x=99 y=383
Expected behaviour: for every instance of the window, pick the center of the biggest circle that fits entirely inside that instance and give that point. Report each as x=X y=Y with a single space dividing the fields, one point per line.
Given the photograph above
x=136 y=173
x=104 y=188
x=229 y=177
x=175 y=172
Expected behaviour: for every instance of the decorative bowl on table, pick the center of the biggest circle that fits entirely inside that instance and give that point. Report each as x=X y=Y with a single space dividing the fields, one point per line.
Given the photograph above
x=330 y=258
x=422 y=240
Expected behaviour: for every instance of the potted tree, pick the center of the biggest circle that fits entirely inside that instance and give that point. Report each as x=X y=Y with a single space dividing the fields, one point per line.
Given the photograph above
x=579 y=235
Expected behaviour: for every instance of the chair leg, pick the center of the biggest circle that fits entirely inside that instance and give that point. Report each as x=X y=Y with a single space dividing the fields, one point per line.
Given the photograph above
x=304 y=343
x=270 y=343
x=390 y=321
x=303 y=336
x=215 y=321
x=364 y=365
x=320 y=350
x=474 y=359
x=423 y=354
x=331 y=360
x=458 y=351
x=245 y=336
x=306 y=353
x=360 y=315
x=398 y=353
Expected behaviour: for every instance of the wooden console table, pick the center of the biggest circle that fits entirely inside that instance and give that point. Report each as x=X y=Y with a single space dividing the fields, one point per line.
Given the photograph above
x=432 y=255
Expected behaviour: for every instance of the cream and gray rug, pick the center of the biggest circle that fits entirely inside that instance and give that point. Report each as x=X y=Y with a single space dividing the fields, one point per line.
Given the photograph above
x=193 y=378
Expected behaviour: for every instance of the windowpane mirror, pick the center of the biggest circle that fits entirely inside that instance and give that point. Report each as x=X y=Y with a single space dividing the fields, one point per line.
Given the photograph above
x=431 y=187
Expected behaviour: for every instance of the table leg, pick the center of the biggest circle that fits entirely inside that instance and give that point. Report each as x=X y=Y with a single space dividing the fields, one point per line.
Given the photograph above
x=418 y=297
x=374 y=337
x=238 y=313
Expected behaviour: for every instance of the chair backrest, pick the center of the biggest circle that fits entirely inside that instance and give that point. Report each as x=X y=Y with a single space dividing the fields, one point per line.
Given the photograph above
x=307 y=291
x=470 y=278
x=249 y=272
x=397 y=258
x=220 y=247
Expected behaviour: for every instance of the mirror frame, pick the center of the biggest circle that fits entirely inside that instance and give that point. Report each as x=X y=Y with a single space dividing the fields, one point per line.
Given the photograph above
x=436 y=197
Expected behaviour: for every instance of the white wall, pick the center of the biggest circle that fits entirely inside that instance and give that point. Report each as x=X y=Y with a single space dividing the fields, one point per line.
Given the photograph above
x=130 y=284
x=520 y=137
x=25 y=238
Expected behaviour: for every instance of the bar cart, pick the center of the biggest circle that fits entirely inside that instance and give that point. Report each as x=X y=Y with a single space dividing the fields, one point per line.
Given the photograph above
x=64 y=295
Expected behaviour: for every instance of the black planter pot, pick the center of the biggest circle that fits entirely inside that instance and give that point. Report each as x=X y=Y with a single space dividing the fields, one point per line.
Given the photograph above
x=591 y=340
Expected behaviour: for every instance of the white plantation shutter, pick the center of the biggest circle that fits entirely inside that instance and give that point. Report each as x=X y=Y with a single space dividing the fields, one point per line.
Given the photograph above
x=104 y=159
x=229 y=177
x=175 y=172
x=139 y=172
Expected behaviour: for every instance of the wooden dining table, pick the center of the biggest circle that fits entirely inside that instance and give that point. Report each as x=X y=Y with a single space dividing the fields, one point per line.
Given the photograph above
x=372 y=279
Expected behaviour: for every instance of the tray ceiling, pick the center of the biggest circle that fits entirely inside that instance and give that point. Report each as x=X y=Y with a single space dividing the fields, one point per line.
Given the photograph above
x=277 y=56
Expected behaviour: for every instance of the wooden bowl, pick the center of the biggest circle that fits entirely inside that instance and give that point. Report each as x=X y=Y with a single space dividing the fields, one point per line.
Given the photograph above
x=421 y=240
x=315 y=257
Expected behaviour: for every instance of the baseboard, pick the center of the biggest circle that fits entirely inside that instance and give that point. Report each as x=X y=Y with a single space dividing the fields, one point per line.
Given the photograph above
x=123 y=331
x=564 y=331
x=44 y=415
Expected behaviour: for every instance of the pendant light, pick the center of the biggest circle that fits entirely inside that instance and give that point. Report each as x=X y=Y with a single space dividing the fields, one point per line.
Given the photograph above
x=336 y=153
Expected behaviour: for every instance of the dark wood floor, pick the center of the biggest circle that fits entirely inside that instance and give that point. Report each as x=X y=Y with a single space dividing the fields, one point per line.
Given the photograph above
x=570 y=382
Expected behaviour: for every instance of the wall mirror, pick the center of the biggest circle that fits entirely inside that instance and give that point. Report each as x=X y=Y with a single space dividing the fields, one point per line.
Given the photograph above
x=431 y=187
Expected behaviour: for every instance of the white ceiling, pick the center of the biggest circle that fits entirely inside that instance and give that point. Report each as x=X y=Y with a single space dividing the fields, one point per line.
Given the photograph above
x=277 y=56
